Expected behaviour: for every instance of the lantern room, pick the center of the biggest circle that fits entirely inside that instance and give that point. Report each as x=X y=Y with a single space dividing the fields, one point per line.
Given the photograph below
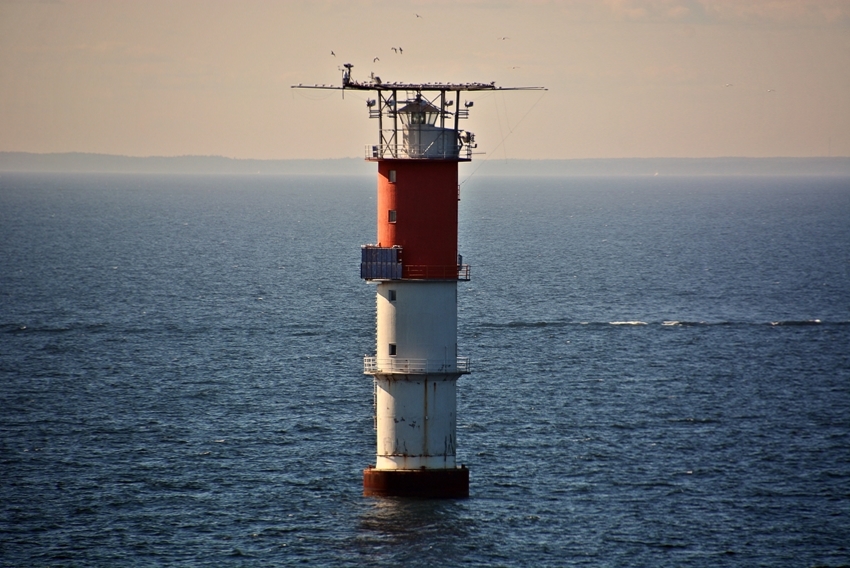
x=421 y=137
x=418 y=112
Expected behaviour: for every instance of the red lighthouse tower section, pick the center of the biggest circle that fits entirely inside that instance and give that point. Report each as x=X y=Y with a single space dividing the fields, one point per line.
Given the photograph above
x=415 y=267
x=417 y=211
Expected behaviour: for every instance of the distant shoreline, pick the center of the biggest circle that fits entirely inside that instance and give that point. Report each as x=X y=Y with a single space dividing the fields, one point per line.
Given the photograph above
x=75 y=162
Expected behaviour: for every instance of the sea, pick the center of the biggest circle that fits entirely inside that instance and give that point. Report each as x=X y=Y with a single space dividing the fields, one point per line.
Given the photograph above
x=660 y=373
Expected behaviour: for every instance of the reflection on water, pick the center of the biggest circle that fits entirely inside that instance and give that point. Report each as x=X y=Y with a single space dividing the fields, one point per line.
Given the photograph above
x=395 y=528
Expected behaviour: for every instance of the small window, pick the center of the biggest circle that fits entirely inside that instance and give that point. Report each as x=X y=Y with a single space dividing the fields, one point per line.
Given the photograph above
x=392 y=295
x=391 y=216
x=392 y=176
x=392 y=349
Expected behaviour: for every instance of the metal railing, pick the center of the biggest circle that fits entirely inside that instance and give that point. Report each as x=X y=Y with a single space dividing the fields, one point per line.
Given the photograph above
x=436 y=272
x=419 y=152
x=373 y=365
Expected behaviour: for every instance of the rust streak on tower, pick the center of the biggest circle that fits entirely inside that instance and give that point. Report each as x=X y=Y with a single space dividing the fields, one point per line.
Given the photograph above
x=416 y=267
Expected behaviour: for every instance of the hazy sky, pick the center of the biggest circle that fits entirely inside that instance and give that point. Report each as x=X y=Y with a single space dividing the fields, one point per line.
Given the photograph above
x=626 y=78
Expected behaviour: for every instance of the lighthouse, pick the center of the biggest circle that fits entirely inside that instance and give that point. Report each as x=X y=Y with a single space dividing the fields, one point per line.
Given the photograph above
x=415 y=267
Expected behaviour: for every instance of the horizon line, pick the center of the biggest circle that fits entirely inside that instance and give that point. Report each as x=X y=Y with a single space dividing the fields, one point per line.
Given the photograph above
x=219 y=156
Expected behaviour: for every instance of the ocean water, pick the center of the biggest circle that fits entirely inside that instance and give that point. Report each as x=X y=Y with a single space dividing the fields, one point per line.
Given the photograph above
x=661 y=374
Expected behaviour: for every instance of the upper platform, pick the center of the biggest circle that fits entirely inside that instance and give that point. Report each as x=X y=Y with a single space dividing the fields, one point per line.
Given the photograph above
x=375 y=84
x=417 y=121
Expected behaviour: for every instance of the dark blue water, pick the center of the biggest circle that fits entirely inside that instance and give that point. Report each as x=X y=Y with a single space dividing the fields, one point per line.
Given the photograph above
x=661 y=374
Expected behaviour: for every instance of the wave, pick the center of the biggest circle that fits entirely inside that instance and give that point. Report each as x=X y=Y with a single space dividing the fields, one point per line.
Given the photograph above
x=304 y=330
x=684 y=323
x=528 y=324
x=663 y=323
x=23 y=328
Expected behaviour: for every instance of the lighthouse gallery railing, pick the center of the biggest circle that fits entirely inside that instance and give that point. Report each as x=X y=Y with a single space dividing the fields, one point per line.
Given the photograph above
x=372 y=365
x=417 y=152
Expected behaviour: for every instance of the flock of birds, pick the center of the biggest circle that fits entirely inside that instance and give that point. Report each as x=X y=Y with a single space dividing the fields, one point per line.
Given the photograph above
x=399 y=51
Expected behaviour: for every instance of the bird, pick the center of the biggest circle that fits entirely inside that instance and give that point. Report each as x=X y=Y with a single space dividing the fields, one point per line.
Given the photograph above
x=771 y=90
x=400 y=51
x=729 y=85
x=505 y=37
x=418 y=16
x=395 y=49
x=375 y=60
x=332 y=53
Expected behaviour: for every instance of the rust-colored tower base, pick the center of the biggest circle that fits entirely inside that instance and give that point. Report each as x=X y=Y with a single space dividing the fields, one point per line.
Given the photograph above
x=426 y=483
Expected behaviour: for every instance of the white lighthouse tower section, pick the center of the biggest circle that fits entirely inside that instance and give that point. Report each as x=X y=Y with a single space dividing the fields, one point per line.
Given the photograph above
x=417 y=326
x=416 y=421
x=416 y=378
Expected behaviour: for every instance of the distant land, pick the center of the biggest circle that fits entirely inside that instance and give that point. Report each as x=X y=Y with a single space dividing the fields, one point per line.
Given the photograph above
x=74 y=162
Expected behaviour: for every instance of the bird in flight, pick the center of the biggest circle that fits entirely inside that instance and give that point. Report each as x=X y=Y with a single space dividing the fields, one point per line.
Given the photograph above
x=729 y=85
x=375 y=60
x=503 y=38
x=395 y=49
x=332 y=53
x=418 y=16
